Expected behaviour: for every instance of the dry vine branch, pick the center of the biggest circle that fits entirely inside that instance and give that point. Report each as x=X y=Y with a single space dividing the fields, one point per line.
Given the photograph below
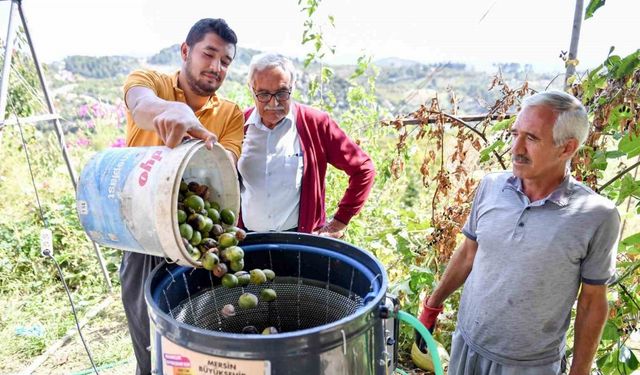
x=454 y=184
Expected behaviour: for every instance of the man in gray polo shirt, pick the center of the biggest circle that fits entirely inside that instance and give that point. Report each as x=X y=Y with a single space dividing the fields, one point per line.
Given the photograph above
x=534 y=239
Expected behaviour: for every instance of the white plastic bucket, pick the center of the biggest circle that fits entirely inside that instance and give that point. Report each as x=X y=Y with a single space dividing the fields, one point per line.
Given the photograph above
x=127 y=197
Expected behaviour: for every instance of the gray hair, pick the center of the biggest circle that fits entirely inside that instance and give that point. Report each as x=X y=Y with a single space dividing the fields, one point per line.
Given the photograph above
x=264 y=61
x=572 y=121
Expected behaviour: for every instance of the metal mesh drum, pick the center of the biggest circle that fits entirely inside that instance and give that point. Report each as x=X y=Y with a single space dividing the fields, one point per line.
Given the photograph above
x=327 y=312
x=301 y=304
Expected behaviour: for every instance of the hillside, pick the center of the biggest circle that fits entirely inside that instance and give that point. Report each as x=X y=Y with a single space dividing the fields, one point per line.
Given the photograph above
x=401 y=85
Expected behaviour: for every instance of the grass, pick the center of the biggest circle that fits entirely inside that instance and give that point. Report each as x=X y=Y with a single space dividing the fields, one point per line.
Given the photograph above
x=31 y=294
x=108 y=340
x=106 y=333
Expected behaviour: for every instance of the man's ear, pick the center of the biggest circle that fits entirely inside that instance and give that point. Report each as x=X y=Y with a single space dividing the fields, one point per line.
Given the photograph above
x=184 y=51
x=569 y=148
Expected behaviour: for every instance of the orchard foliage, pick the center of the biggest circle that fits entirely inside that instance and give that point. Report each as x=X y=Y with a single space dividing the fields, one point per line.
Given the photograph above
x=23 y=99
x=428 y=163
x=427 y=177
x=608 y=163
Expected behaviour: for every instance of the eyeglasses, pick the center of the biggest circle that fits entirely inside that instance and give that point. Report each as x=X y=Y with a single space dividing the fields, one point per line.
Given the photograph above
x=265 y=97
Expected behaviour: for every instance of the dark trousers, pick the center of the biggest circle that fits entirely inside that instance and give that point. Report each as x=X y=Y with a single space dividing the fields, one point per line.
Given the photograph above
x=465 y=361
x=134 y=271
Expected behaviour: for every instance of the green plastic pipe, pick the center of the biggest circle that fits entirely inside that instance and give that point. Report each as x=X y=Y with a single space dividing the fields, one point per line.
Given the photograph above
x=431 y=343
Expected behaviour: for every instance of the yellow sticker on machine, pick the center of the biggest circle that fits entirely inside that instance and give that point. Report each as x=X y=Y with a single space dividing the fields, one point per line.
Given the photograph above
x=177 y=360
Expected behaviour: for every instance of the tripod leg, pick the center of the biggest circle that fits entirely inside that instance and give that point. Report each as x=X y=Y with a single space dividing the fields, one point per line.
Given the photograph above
x=6 y=66
x=58 y=128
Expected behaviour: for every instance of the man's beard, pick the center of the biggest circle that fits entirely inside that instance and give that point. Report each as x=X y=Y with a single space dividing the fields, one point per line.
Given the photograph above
x=200 y=88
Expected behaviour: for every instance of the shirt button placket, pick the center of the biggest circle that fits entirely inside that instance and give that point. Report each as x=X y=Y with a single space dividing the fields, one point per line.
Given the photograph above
x=267 y=180
x=520 y=224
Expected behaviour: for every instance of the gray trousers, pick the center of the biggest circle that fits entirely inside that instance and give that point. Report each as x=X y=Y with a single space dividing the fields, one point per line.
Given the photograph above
x=133 y=273
x=464 y=361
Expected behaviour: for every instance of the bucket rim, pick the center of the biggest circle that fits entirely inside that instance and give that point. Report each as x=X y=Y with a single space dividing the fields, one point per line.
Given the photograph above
x=179 y=254
x=331 y=334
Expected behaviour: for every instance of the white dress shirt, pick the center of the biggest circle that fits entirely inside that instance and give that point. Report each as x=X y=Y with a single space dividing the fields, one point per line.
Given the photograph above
x=271 y=168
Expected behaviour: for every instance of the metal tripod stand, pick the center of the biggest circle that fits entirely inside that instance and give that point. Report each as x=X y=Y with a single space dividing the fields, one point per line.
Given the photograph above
x=52 y=116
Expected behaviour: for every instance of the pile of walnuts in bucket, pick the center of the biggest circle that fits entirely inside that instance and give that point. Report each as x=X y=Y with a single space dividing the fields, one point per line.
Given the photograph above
x=210 y=236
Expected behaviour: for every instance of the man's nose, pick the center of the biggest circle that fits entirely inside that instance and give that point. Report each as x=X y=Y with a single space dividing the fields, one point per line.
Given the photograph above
x=215 y=65
x=516 y=143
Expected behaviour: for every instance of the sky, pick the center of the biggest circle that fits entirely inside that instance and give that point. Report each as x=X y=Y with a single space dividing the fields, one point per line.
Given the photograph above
x=476 y=32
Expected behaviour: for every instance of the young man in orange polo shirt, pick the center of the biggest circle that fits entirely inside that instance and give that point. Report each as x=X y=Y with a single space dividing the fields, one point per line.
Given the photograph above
x=162 y=109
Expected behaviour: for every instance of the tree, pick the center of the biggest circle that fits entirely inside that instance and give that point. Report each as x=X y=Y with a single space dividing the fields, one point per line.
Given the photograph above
x=572 y=60
x=23 y=100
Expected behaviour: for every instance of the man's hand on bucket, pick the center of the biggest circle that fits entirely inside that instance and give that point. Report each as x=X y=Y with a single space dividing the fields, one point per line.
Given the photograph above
x=178 y=121
x=334 y=228
x=201 y=132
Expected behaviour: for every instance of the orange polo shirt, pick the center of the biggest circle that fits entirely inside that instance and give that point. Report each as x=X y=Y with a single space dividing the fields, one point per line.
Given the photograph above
x=220 y=116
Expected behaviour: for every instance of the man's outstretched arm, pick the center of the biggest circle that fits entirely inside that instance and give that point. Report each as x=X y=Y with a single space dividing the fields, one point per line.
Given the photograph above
x=456 y=273
x=590 y=319
x=172 y=121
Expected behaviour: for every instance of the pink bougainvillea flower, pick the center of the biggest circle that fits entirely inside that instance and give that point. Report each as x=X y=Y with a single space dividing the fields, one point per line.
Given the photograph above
x=120 y=109
x=83 y=110
x=83 y=142
x=97 y=110
x=120 y=142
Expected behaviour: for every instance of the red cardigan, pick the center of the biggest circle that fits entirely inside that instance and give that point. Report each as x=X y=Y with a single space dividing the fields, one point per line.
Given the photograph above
x=322 y=141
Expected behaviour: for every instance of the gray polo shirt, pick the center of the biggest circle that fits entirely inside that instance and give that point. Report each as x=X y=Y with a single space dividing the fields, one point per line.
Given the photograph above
x=532 y=256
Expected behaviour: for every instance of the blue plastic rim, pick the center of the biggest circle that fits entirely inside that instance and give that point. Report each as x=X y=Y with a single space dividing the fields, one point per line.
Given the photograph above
x=350 y=265
x=376 y=279
x=354 y=338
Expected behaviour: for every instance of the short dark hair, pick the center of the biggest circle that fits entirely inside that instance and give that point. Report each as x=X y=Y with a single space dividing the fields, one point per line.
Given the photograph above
x=211 y=25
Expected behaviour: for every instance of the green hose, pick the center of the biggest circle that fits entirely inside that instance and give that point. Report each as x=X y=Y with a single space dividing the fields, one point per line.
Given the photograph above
x=431 y=344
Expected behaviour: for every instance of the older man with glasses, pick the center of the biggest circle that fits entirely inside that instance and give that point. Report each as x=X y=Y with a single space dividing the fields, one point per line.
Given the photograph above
x=286 y=149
